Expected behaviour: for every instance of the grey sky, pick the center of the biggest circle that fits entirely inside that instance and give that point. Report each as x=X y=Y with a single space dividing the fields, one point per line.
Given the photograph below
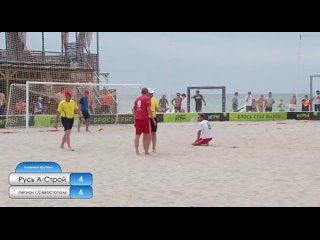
x=260 y=62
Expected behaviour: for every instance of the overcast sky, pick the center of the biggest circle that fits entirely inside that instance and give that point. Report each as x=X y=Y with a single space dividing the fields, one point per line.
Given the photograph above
x=260 y=62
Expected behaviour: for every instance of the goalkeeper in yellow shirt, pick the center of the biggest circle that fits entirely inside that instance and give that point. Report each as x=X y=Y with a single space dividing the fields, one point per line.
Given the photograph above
x=66 y=110
x=153 y=122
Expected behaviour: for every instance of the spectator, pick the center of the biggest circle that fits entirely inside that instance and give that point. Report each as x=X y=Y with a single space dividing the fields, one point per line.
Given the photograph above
x=20 y=107
x=106 y=102
x=38 y=107
x=60 y=96
x=281 y=106
x=269 y=102
x=261 y=103
x=248 y=100
x=184 y=104
x=293 y=103
x=305 y=104
x=176 y=102
x=316 y=101
x=235 y=104
x=3 y=103
x=163 y=104
x=254 y=105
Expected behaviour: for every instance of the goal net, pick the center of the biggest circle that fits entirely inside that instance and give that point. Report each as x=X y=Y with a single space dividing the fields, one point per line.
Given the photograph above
x=35 y=104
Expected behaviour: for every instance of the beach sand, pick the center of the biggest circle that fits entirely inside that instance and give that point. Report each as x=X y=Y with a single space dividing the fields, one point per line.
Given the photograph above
x=249 y=164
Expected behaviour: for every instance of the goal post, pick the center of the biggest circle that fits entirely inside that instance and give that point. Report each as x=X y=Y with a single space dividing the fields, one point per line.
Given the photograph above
x=223 y=95
x=104 y=99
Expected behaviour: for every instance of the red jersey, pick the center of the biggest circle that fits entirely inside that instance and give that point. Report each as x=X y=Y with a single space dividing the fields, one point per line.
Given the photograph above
x=141 y=107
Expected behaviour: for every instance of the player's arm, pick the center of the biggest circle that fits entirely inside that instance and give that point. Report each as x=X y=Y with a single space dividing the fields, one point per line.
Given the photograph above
x=150 y=116
x=77 y=110
x=173 y=101
x=204 y=101
x=198 y=134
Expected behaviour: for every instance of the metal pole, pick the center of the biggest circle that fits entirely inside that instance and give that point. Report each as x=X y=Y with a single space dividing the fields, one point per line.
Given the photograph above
x=223 y=99
x=76 y=46
x=62 y=42
x=42 y=35
x=311 y=92
x=98 y=57
x=27 y=106
x=8 y=106
x=6 y=40
x=188 y=101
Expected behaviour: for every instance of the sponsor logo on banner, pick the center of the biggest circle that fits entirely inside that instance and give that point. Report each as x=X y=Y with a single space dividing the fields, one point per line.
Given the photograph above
x=217 y=116
x=188 y=117
x=15 y=121
x=258 y=116
x=103 y=119
x=125 y=119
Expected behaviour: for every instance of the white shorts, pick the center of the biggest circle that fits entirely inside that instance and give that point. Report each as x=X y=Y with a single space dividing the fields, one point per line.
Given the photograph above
x=292 y=106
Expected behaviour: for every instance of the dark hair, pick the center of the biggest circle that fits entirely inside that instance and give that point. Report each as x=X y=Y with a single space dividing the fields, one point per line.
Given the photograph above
x=144 y=91
x=202 y=116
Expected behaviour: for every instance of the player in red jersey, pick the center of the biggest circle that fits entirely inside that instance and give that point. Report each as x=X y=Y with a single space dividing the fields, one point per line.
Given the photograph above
x=142 y=115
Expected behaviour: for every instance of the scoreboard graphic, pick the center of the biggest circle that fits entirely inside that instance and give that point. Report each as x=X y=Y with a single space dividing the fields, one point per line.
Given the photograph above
x=45 y=180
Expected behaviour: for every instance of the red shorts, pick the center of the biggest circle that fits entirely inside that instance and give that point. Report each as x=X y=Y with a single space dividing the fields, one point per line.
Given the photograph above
x=142 y=126
x=200 y=141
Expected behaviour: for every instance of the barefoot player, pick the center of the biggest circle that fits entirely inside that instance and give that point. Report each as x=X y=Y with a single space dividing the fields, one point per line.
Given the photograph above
x=142 y=116
x=66 y=110
x=205 y=134
x=84 y=106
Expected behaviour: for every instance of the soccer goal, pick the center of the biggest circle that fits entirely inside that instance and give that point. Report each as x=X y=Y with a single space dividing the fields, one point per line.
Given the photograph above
x=206 y=99
x=34 y=101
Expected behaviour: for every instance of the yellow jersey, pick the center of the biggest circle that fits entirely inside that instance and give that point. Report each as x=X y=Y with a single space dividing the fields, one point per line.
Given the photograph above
x=67 y=109
x=154 y=107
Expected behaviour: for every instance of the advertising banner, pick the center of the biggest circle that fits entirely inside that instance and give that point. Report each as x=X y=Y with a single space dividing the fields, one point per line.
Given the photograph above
x=275 y=116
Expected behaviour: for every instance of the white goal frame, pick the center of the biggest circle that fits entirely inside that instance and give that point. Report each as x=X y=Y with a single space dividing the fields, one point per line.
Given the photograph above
x=28 y=83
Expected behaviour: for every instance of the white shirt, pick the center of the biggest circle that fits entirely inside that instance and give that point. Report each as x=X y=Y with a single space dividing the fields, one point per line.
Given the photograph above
x=206 y=129
x=248 y=100
x=316 y=99
x=184 y=104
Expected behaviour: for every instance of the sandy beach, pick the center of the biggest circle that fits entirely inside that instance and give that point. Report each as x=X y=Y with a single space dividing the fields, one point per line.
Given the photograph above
x=249 y=164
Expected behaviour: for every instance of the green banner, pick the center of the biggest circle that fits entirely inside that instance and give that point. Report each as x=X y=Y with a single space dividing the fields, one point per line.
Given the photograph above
x=48 y=121
x=188 y=117
x=2 y=121
x=258 y=116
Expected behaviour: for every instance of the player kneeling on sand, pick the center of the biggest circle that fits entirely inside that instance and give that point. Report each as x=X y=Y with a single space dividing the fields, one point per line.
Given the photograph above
x=205 y=134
